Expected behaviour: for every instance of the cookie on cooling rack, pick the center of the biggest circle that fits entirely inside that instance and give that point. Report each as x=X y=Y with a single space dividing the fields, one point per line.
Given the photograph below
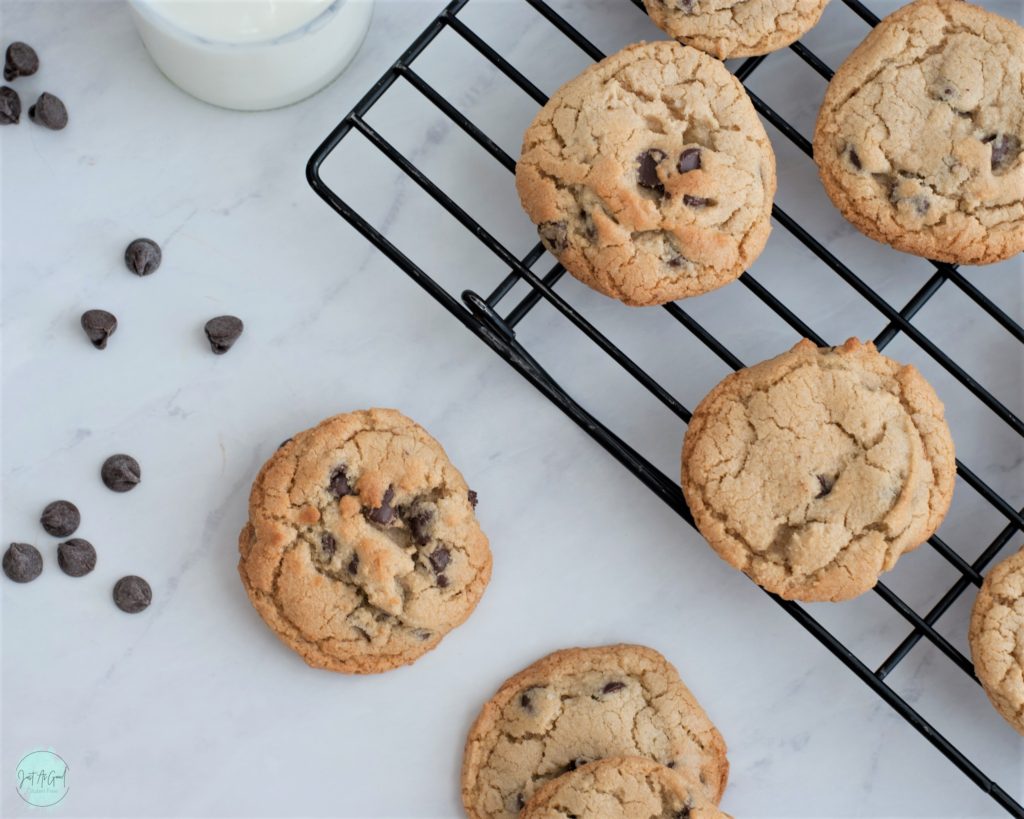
x=579 y=705
x=997 y=638
x=918 y=141
x=362 y=549
x=629 y=787
x=814 y=471
x=736 y=28
x=649 y=176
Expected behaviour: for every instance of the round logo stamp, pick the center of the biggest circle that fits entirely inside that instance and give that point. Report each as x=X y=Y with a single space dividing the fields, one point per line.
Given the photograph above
x=42 y=778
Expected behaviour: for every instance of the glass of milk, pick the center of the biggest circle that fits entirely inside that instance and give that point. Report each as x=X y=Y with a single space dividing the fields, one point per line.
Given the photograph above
x=251 y=54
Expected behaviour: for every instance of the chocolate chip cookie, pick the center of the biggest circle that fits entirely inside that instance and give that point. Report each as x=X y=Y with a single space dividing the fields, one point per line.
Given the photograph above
x=736 y=28
x=362 y=549
x=629 y=787
x=579 y=705
x=997 y=638
x=814 y=471
x=918 y=141
x=649 y=176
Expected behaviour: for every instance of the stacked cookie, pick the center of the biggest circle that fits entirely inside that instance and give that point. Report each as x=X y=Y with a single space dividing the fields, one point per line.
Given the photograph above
x=594 y=732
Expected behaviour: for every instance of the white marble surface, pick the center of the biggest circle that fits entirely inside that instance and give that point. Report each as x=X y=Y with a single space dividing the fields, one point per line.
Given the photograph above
x=193 y=708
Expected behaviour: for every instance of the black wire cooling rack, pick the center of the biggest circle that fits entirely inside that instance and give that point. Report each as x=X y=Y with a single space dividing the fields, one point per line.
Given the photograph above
x=494 y=322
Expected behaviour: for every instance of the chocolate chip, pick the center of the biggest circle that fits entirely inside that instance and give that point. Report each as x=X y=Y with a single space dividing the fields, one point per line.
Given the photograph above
x=920 y=205
x=21 y=60
x=854 y=159
x=22 y=562
x=612 y=687
x=384 y=513
x=439 y=559
x=49 y=112
x=121 y=473
x=223 y=332
x=143 y=256
x=554 y=236
x=10 y=106
x=647 y=170
x=695 y=201
x=826 y=483
x=472 y=498
x=328 y=544
x=683 y=814
x=524 y=701
x=442 y=581
x=132 y=594
x=520 y=801
x=339 y=485
x=60 y=518
x=285 y=441
x=362 y=632
x=686 y=6
x=1005 y=148
x=419 y=523
x=676 y=261
x=422 y=634
x=99 y=325
x=670 y=764
x=353 y=565
x=76 y=557
x=578 y=762
x=689 y=160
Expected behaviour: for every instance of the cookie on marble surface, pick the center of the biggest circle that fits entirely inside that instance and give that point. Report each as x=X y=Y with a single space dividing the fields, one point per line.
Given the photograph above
x=918 y=141
x=630 y=787
x=814 y=471
x=579 y=705
x=649 y=176
x=736 y=28
x=997 y=638
x=362 y=549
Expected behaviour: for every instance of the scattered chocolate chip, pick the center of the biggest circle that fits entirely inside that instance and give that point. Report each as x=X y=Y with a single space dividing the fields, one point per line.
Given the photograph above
x=1005 y=148
x=223 y=332
x=339 y=485
x=689 y=160
x=520 y=801
x=76 y=557
x=143 y=256
x=683 y=814
x=419 y=523
x=826 y=483
x=578 y=762
x=920 y=205
x=854 y=159
x=472 y=498
x=647 y=170
x=353 y=565
x=99 y=325
x=121 y=473
x=554 y=236
x=439 y=559
x=132 y=594
x=676 y=261
x=49 y=112
x=442 y=581
x=22 y=562
x=10 y=106
x=60 y=518
x=612 y=687
x=524 y=701
x=328 y=544
x=21 y=60
x=285 y=441
x=695 y=201
x=670 y=764
x=362 y=632
x=422 y=634
x=384 y=513
x=686 y=6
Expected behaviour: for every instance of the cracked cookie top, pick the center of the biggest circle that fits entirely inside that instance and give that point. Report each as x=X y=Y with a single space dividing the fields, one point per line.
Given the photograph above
x=580 y=705
x=918 y=140
x=649 y=176
x=735 y=28
x=814 y=471
x=362 y=549
x=997 y=638
x=630 y=787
